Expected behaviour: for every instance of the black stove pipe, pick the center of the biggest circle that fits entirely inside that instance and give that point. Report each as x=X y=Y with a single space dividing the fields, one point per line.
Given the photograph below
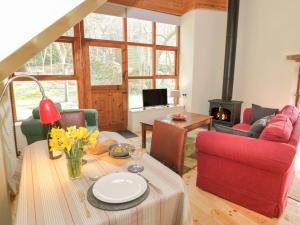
x=230 y=51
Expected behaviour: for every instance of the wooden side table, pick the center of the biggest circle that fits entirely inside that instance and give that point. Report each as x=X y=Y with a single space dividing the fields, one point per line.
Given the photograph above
x=192 y=122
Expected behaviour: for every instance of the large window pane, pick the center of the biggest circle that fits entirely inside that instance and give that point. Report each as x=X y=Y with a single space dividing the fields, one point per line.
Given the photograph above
x=105 y=66
x=165 y=62
x=170 y=84
x=99 y=26
x=135 y=88
x=27 y=95
x=139 y=31
x=166 y=34
x=139 y=61
x=56 y=59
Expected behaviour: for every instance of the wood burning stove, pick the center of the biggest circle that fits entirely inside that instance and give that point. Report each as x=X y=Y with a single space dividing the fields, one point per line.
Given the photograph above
x=226 y=111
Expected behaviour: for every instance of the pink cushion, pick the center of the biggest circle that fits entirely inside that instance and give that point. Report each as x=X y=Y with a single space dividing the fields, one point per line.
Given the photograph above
x=291 y=111
x=279 y=129
x=242 y=126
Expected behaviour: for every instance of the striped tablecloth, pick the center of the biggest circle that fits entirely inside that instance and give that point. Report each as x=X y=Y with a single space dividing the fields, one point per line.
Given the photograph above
x=48 y=196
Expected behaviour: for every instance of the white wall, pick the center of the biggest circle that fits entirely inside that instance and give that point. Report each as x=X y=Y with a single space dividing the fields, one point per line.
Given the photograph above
x=269 y=30
x=202 y=57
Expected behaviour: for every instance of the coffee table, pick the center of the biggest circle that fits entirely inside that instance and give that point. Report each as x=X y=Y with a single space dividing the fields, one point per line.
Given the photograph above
x=192 y=122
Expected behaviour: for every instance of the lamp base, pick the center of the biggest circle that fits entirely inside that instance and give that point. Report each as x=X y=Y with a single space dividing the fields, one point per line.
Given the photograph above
x=57 y=155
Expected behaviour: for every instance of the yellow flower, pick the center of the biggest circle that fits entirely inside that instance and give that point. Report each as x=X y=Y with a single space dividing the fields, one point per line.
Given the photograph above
x=83 y=132
x=68 y=143
x=92 y=140
x=72 y=132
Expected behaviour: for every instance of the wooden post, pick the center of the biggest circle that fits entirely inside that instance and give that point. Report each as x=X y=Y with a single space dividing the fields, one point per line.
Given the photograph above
x=296 y=58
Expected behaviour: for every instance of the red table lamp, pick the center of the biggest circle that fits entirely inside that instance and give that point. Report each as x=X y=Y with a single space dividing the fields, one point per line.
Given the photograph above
x=48 y=111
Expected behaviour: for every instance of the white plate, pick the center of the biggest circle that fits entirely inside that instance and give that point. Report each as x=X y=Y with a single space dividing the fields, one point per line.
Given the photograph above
x=119 y=187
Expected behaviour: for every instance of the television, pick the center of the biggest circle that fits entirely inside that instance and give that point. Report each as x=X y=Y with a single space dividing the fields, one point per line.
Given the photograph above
x=155 y=97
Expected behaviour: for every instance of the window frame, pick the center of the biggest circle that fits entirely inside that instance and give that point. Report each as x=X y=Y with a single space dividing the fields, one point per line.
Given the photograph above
x=79 y=43
x=77 y=68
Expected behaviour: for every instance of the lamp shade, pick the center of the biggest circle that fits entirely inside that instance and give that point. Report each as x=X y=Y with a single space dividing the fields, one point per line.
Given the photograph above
x=175 y=93
x=48 y=112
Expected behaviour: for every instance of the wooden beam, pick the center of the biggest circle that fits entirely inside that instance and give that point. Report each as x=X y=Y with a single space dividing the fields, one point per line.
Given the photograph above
x=294 y=57
x=174 y=7
x=11 y=63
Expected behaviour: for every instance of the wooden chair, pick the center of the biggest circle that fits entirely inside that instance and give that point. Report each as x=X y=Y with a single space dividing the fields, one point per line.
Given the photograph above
x=167 y=145
x=68 y=119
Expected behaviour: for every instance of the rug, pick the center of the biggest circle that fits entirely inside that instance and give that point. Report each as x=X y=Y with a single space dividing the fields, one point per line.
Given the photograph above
x=295 y=188
x=190 y=161
x=127 y=134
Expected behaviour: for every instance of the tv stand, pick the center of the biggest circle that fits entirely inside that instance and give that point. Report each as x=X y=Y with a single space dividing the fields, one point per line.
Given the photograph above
x=135 y=116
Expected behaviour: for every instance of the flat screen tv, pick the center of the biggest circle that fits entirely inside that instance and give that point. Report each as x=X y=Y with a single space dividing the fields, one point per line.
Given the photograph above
x=155 y=97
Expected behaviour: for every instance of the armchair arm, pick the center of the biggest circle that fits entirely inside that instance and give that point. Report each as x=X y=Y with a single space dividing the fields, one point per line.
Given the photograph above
x=271 y=156
x=91 y=117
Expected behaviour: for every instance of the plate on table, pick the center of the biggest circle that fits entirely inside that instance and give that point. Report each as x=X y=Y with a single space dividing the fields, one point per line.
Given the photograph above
x=119 y=187
x=120 y=150
x=178 y=117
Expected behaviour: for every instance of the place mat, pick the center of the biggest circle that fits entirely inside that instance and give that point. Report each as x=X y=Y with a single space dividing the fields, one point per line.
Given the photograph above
x=112 y=206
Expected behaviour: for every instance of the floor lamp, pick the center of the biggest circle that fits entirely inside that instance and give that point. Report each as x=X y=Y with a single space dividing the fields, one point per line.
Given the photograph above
x=48 y=111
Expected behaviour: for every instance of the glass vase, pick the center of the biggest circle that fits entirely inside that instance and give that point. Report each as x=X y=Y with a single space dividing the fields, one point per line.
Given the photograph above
x=74 y=167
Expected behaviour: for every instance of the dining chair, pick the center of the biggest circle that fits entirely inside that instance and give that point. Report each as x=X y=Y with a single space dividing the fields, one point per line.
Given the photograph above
x=167 y=145
x=68 y=119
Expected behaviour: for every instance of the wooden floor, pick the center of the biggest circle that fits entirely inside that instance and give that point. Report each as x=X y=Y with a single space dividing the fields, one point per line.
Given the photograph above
x=208 y=209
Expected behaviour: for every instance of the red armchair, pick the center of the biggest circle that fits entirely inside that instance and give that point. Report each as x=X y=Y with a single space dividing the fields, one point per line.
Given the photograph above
x=253 y=173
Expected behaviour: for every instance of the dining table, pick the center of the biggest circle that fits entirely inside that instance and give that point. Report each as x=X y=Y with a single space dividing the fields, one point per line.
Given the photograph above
x=48 y=196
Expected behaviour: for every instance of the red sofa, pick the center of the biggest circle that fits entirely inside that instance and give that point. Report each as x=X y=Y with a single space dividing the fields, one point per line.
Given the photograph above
x=253 y=173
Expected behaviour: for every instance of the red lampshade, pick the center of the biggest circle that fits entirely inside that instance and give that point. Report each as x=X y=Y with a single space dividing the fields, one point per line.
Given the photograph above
x=48 y=112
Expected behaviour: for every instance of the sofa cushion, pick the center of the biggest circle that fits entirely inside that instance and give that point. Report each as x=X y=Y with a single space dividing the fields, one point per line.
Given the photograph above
x=259 y=125
x=230 y=130
x=279 y=129
x=242 y=126
x=295 y=136
x=291 y=111
x=259 y=112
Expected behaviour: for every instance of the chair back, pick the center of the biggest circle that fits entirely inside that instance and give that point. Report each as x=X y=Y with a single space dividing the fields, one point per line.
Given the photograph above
x=69 y=119
x=167 y=145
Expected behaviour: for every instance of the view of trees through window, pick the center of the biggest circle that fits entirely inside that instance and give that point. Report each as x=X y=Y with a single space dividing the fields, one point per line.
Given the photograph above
x=27 y=95
x=105 y=66
x=56 y=59
x=150 y=63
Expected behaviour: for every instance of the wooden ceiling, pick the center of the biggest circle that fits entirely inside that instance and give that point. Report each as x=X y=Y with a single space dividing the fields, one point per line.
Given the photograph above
x=174 y=7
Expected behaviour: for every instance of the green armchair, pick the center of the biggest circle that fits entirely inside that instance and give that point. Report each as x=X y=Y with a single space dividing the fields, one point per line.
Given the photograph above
x=35 y=131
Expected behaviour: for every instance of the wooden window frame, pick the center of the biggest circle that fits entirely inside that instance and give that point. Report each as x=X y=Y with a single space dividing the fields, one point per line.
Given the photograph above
x=77 y=68
x=79 y=41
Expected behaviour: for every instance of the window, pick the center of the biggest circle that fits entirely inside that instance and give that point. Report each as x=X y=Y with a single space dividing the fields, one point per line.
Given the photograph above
x=139 y=61
x=166 y=34
x=165 y=62
x=99 y=26
x=139 y=31
x=105 y=66
x=69 y=33
x=27 y=95
x=135 y=91
x=56 y=59
x=170 y=84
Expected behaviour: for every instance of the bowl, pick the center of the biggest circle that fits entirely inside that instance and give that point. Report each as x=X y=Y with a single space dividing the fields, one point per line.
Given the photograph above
x=179 y=117
x=120 y=150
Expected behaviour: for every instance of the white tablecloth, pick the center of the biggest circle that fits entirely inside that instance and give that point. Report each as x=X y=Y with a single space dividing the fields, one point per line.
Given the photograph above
x=48 y=196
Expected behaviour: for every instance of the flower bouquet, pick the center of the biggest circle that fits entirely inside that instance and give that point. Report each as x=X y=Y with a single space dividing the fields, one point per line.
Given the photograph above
x=72 y=141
